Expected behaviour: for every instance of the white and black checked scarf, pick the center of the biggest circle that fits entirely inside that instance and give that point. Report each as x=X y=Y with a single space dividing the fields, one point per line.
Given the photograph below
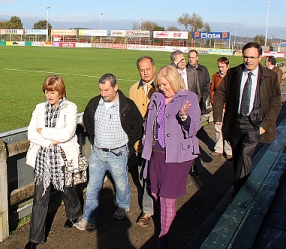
x=48 y=167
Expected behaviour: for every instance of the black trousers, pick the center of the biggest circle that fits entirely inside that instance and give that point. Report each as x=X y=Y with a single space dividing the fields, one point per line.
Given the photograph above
x=40 y=209
x=244 y=141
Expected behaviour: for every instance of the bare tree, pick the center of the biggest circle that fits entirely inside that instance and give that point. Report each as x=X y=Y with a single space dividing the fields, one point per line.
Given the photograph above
x=193 y=23
x=135 y=26
x=148 y=26
x=206 y=27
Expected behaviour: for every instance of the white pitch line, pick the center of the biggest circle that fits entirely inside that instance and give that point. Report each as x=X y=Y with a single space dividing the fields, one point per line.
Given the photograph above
x=57 y=73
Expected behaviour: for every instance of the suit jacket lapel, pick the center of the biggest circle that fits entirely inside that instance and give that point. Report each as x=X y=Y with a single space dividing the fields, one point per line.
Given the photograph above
x=237 y=77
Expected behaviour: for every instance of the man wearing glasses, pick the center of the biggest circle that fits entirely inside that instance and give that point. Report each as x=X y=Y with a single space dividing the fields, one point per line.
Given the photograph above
x=253 y=101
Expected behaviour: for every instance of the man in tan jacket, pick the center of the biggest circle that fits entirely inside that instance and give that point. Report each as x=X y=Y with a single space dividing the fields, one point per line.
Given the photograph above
x=141 y=93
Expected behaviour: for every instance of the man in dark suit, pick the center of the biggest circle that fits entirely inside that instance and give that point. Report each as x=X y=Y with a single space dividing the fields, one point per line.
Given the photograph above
x=204 y=77
x=246 y=123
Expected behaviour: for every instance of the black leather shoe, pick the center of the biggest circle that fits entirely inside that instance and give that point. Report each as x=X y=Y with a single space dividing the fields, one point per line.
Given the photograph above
x=70 y=223
x=31 y=245
x=194 y=171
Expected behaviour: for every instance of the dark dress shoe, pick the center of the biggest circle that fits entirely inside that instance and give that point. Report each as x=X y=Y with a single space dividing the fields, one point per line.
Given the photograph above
x=194 y=171
x=70 y=223
x=31 y=245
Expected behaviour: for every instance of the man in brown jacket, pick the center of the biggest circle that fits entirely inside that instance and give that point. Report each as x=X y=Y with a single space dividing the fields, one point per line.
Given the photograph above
x=221 y=144
x=253 y=101
x=270 y=62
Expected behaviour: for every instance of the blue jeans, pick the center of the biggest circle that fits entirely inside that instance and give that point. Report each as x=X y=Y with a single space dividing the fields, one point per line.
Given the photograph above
x=100 y=161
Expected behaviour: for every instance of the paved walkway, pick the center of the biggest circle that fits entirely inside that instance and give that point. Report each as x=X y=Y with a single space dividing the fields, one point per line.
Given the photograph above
x=202 y=200
x=203 y=194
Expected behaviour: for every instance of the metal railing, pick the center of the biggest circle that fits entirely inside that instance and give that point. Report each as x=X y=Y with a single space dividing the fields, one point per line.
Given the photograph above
x=17 y=179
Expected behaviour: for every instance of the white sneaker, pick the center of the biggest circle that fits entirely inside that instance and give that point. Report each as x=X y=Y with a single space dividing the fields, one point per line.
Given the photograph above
x=84 y=225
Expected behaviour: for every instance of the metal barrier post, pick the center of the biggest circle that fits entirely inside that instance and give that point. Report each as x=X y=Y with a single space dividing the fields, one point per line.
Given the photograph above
x=4 y=224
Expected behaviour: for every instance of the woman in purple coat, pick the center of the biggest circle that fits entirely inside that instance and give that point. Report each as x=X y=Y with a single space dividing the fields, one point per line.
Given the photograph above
x=170 y=142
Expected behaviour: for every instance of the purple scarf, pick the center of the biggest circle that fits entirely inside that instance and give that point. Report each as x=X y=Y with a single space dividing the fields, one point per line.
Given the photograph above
x=161 y=122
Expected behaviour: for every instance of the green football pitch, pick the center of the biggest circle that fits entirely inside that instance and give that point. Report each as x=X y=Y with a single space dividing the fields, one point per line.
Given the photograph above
x=23 y=70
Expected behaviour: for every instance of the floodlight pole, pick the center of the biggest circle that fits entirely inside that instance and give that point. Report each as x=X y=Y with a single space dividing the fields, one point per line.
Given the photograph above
x=266 y=33
x=140 y=29
x=47 y=25
x=100 y=20
x=234 y=38
x=100 y=17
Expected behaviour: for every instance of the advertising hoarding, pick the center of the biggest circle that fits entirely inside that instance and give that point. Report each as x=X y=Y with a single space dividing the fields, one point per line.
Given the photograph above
x=11 y=31
x=89 y=32
x=63 y=32
x=170 y=34
x=211 y=35
x=35 y=31
x=130 y=33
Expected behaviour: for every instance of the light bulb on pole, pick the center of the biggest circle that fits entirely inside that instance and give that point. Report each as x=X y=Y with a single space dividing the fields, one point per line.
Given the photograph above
x=47 y=21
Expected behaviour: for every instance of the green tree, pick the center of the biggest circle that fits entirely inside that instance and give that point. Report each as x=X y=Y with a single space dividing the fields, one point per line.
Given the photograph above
x=14 y=23
x=42 y=24
x=158 y=28
x=260 y=39
x=173 y=28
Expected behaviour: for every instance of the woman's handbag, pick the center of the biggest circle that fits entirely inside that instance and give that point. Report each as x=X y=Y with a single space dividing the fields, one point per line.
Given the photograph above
x=79 y=176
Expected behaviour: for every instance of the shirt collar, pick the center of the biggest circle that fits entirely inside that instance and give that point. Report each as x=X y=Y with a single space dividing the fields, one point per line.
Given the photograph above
x=254 y=72
x=101 y=102
x=142 y=83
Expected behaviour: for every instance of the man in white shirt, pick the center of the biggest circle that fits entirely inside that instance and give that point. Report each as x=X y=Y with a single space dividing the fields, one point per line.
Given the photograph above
x=190 y=77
